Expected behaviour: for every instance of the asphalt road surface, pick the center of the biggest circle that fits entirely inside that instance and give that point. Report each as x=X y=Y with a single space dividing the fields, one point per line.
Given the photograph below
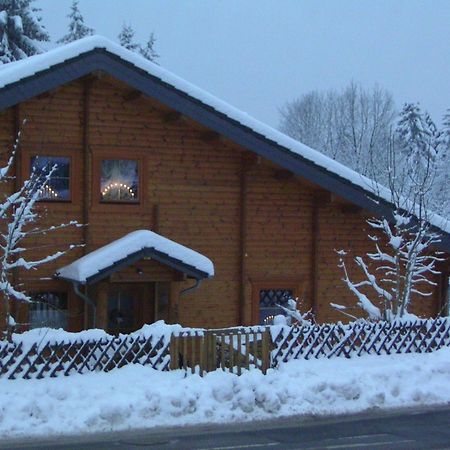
x=419 y=429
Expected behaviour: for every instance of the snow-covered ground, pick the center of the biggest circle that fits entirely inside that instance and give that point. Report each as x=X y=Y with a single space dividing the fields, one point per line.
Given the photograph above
x=139 y=397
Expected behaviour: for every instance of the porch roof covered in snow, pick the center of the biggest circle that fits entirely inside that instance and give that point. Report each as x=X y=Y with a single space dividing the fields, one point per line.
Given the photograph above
x=132 y=247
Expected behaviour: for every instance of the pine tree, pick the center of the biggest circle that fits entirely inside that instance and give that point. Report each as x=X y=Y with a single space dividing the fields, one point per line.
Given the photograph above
x=20 y=28
x=444 y=137
x=148 y=51
x=77 y=28
x=126 y=38
x=417 y=137
x=441 y=188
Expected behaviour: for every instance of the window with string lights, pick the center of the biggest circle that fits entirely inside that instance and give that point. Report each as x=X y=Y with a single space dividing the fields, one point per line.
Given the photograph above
x=119 y=181
x=58 y=186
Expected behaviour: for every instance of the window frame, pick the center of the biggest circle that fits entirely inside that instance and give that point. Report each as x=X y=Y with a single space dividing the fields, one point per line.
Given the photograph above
x=74 y=194
x=275 y=284
x=100 y=205
x=121 y=202
x=55 y=292
x=60 y=200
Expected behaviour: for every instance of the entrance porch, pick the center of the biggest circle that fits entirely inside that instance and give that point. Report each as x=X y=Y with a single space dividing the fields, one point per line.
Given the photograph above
x=135 y=280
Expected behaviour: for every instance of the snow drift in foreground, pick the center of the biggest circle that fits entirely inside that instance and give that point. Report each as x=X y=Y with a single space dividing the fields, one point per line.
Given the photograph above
x=138 y=397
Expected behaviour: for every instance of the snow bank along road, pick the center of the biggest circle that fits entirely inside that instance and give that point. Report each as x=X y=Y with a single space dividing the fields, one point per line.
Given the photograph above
x=140 y=397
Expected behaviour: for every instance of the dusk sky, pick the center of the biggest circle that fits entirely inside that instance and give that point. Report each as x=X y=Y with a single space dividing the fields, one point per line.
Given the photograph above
x=257 y=54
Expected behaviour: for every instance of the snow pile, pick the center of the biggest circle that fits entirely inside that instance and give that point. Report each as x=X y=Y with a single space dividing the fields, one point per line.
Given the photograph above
x=43 y=336
x=91 y=264
x=136 y=396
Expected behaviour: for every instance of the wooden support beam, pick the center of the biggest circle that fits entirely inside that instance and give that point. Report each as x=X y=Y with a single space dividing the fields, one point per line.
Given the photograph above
x=315 y=239
x=102 y=306
x=87 y=87
x=245 y=166
x=86 y=161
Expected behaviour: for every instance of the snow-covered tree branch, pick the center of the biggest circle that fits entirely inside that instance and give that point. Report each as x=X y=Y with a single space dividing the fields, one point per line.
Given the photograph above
x=292 y=310
x=20 y=218
x=20 y=30
x=403 y=264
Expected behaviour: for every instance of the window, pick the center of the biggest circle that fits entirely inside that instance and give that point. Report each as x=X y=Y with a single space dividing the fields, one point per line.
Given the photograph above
x=119 y=180
x=58 y=187
x=49 y=309
x=269 y=299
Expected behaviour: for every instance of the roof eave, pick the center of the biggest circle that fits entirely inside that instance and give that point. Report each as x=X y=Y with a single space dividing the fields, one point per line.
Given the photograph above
x=101 y=59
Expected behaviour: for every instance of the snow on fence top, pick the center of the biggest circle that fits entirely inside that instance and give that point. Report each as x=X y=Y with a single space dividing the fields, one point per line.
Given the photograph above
x=19 y=70
x=92 y=263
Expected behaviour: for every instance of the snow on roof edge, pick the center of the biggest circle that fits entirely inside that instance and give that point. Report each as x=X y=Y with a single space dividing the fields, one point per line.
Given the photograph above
x=16 y=71
x=98 y=260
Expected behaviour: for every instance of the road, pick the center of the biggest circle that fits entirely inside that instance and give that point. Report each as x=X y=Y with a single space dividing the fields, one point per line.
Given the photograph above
x=419 y=429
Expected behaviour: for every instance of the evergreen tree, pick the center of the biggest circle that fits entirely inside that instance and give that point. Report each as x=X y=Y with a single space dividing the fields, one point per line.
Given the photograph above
x=148 y=51
x=77 y=28
x=20 y=28
x=417 y=136
x=441 y=188
x=126 y=38
x=444 y=137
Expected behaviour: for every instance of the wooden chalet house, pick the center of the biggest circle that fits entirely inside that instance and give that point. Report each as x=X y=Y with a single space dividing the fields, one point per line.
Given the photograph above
x=196 y=212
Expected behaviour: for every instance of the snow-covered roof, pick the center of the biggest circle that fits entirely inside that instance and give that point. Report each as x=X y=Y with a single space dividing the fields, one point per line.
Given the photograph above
x=317 y=163
x=131 y=247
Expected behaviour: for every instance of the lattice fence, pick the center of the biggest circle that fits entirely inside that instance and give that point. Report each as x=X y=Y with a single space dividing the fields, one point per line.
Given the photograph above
x=359 y=338
x=232 y=350
x=18 y=360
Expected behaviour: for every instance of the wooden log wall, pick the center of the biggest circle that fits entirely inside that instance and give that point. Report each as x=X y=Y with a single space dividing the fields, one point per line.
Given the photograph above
x=256 y=223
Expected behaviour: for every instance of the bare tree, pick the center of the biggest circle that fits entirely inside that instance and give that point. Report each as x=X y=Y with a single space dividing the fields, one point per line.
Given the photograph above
x=20 y=221
x=351 y=126
x=404 y=259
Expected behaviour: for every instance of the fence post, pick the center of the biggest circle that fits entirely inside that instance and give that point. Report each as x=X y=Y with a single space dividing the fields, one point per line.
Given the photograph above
x=265 y=350
x=208 y=352
x=174 y=354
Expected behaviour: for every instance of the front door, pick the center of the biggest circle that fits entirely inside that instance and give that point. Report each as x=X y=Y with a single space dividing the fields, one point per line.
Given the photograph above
x=129 y=307
x=132 y=305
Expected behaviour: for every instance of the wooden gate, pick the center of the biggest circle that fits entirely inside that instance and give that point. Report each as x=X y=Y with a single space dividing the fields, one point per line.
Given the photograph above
x=231 y=350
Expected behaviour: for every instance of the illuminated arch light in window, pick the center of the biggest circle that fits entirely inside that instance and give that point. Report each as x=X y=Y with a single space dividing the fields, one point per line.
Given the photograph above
x=47 y=192
x=120 y=187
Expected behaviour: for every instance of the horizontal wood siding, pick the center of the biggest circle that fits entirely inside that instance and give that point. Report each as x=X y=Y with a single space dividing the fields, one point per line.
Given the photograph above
x=279 y=233
x=341 y=230
x=192 y=192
